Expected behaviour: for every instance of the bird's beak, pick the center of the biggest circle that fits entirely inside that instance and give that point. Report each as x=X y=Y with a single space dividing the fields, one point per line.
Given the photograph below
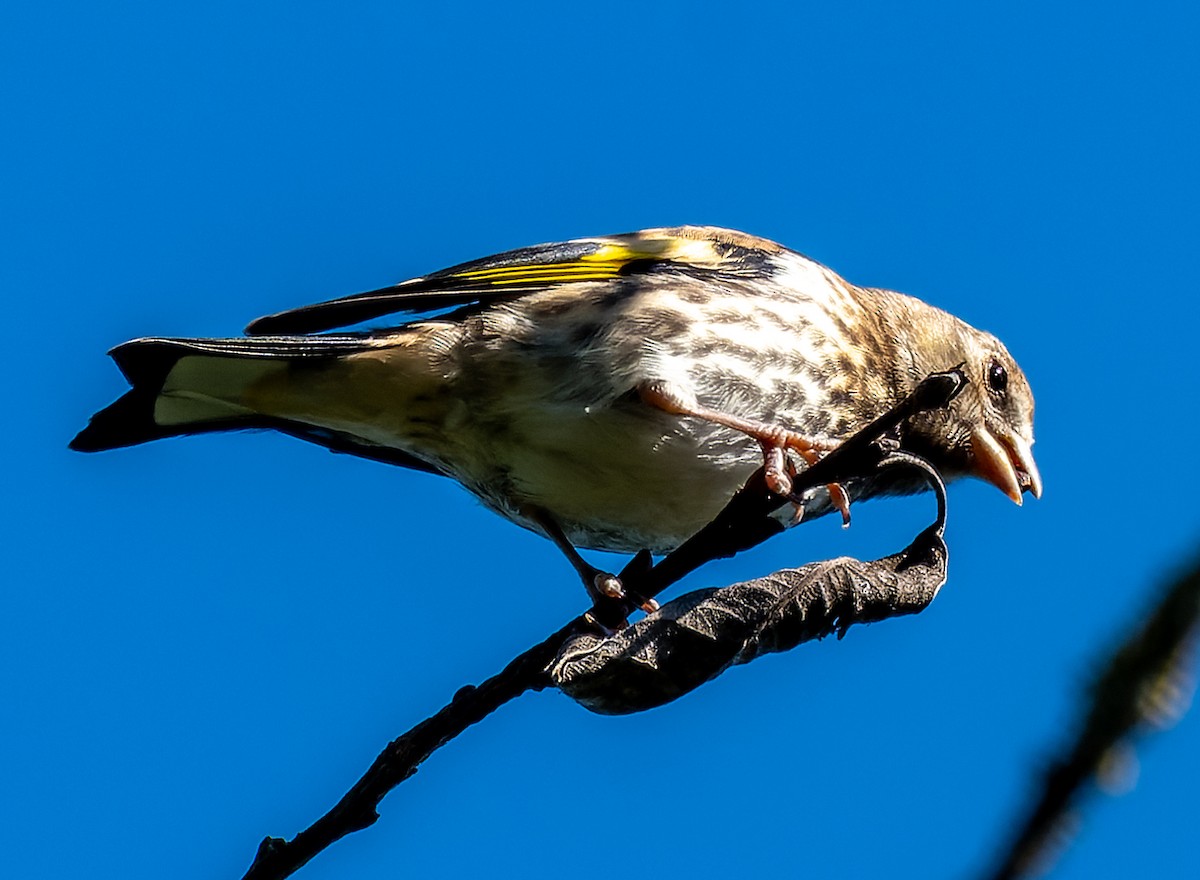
x=1007 y=463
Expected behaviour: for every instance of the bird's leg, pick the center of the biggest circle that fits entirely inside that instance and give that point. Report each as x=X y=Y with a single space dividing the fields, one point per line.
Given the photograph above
x=601 y=586
x=775 y=440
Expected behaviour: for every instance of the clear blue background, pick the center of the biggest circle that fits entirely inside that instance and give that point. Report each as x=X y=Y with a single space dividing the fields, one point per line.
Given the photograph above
x=203 y=642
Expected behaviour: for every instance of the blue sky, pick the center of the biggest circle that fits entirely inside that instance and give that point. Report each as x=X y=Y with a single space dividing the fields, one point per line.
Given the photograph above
x=203 y=642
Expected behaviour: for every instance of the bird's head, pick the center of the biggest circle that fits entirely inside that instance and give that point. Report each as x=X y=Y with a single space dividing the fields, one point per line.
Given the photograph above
x=987 y=431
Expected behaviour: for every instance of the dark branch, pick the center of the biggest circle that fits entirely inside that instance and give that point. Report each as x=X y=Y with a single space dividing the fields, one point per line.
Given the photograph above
x=1146 y=681
x=745 y=522
x=356 y=810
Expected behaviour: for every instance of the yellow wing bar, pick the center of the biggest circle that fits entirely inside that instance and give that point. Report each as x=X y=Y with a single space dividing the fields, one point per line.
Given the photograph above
x=607 y=261
x=546 y=273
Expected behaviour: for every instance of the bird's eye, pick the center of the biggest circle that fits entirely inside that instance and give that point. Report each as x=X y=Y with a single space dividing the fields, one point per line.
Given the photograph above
x=997 y=376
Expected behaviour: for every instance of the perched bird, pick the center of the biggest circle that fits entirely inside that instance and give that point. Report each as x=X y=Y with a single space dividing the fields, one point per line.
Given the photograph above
x=611 y=392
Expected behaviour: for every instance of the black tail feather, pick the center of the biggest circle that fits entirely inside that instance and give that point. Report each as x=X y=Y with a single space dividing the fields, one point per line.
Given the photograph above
x=126 y=422
x=146 y=363
x=130 y=419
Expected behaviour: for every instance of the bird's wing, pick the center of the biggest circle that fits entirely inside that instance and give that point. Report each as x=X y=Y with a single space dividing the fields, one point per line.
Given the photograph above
x=527 y=270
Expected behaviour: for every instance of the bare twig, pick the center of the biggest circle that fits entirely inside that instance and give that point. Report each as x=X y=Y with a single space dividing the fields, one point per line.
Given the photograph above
x=745 y=522
x=356 y=810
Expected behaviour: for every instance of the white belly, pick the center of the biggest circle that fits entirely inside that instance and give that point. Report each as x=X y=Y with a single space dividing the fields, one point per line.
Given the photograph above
x=620 y=479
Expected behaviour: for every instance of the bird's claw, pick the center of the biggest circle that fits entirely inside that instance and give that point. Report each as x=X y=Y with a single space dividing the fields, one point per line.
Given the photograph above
x=778 y=475
x=608 y=585
x=840 y=500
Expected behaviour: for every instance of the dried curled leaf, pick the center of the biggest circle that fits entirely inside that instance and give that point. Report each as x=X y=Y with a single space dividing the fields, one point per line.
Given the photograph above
x=698 y=636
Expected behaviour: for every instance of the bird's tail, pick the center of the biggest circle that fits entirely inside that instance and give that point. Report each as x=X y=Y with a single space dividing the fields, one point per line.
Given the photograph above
x=192 y=386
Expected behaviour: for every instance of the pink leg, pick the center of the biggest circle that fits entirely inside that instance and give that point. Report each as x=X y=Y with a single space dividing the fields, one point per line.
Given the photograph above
x=774 y=440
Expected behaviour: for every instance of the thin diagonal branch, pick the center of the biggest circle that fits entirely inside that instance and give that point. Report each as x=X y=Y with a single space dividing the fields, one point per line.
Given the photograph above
x=745 y=522
x=356 y=810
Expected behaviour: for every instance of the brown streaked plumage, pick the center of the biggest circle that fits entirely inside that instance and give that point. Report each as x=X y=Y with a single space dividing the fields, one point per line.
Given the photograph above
x=580 y=384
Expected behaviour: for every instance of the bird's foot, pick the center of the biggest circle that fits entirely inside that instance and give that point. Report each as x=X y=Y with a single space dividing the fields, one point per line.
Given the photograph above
x=778 y=470
x=775 y=441
x=605 y=585
x=603 y=588
x=612 y=602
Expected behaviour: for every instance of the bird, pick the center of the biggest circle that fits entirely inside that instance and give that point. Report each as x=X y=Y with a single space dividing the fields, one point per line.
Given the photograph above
x=610 y=393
